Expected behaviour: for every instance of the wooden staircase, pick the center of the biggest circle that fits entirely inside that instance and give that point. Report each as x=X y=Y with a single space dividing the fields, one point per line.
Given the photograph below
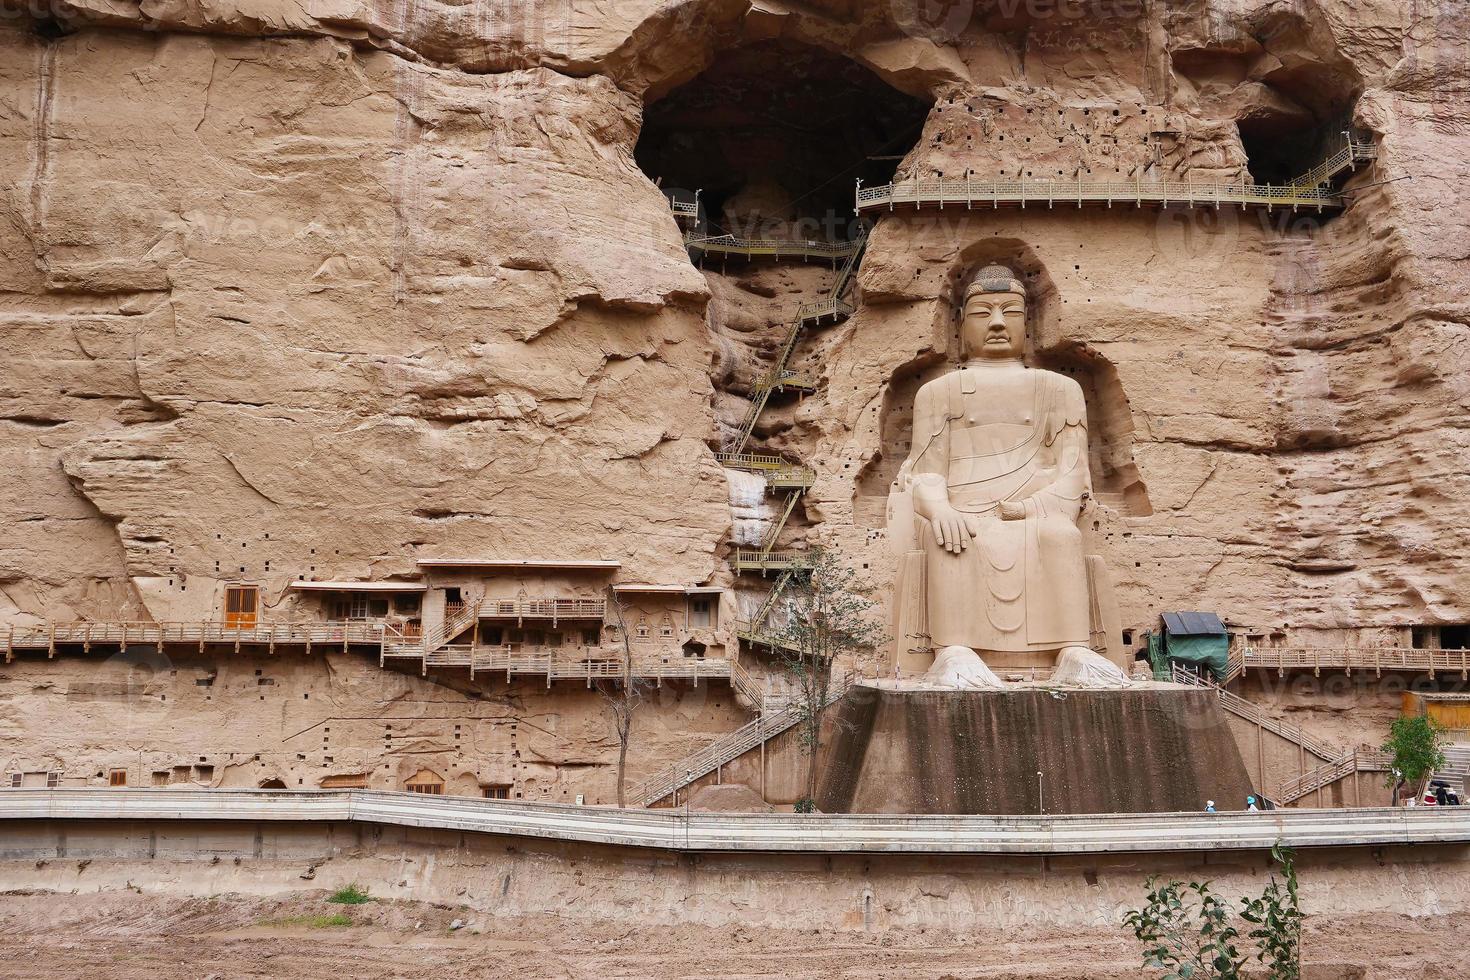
x=397 y=645
x=699 y=764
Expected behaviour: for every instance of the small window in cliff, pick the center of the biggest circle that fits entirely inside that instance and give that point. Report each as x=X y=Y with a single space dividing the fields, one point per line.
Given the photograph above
x=497 y=791
x=117 y=777
x=773 y=135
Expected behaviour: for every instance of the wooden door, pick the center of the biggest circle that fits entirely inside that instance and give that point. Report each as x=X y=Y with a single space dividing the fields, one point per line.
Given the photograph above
x=241 y=604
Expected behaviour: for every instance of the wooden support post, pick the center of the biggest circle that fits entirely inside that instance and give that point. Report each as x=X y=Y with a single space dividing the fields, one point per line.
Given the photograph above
x=1261 y=756
x=763 y=764
x=203 y=630
x=271 y=643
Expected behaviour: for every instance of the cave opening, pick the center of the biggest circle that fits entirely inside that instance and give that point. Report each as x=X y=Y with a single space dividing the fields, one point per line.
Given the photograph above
x=1300 y=119
x=773 y=135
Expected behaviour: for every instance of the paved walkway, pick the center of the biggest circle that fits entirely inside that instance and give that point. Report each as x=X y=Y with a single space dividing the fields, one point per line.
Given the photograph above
x=834 y=833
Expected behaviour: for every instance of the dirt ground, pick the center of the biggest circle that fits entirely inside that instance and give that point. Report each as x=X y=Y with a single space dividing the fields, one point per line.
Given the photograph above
x=129 y=936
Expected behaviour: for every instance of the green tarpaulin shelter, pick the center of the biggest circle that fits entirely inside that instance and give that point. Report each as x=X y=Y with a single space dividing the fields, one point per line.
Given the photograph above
x=1197 y=639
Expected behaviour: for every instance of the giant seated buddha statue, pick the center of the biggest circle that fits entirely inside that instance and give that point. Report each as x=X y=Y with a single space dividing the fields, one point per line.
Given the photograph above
x=985 y=513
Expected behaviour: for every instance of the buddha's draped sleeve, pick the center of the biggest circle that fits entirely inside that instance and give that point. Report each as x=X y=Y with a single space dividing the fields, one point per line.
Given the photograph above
x=1064 y=414
x=929 y=453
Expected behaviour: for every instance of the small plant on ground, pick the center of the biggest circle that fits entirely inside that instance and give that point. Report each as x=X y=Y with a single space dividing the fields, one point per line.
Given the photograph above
x=1277 y=917
x=1190 y=933
x=311 y=921
x=351 y=895
x=1186 y=932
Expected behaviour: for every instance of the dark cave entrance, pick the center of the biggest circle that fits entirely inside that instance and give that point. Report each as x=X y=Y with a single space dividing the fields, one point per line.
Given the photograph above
x=774 y=135
x=1302 y=116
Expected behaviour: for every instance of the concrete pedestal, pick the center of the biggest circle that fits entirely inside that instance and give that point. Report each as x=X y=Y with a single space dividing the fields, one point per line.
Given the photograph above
x=1139 y=750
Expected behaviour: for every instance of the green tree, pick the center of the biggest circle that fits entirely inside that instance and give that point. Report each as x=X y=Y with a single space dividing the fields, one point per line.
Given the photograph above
x=826 y=617
x=1416 y=745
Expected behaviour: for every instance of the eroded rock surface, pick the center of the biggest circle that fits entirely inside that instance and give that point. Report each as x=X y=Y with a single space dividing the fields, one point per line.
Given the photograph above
x=313 y=289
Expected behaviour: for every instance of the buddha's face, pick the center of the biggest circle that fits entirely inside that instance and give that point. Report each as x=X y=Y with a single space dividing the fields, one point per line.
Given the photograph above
x=994 y=327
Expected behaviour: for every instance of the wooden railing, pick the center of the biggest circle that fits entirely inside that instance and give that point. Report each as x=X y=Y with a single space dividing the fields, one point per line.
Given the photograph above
x=572 y=663
x=553 y=609
x=785 y=379
x=1308 y=190
x=737 y=743
x=773 y=247
x=970 y=192
x=1353 y=761
x=751 y=633
x=778 y=472
x=751 y=560
x=1242 y=708
x=400 y=642
x=1377 y=659
x=823 y=308
x=51 y=636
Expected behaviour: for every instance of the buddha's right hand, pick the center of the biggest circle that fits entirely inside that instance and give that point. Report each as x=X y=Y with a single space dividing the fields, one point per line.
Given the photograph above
x=953 y=529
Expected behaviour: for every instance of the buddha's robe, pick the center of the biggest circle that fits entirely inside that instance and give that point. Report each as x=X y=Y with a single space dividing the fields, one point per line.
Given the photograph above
x=993 y=435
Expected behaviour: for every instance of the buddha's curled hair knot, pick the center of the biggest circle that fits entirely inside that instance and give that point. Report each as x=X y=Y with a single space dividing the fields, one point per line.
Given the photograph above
x=997 y=279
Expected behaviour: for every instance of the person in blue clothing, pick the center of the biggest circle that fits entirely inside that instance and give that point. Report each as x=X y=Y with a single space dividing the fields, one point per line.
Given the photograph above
x=1209 y=806
x=1250 y=804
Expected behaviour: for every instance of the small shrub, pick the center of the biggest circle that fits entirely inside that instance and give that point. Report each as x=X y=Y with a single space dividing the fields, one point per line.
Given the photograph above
x=1186 y=932
x=1277 y=916
x=1189 y=933
x=351 y=895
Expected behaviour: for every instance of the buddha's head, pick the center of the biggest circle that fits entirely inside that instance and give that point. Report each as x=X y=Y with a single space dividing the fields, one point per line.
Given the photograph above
x=994 y=326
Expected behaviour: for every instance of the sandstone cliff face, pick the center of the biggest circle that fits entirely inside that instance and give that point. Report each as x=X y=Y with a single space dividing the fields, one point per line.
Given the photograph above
x=310 y=290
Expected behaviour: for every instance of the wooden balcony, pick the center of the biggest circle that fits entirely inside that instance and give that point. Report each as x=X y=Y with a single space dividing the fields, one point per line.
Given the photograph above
x=1349 y=659
x=751 y=560
x=571 y=663
x=552 y=609
x=52 y=637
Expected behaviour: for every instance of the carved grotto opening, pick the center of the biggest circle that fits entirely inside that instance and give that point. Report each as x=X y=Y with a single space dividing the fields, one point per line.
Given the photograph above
x=774 y=134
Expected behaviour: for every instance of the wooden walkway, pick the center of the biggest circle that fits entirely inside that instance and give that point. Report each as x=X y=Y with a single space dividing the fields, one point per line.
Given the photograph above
x=1349 y=659
x=375 y=636
x=775 y=248
x=1311 y=190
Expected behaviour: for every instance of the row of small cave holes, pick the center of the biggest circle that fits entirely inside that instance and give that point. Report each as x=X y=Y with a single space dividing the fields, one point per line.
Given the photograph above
x=244 y=544
x=262 y=681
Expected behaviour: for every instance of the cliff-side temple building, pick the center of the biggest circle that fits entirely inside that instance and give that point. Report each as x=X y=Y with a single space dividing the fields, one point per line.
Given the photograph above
x=387 y=393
